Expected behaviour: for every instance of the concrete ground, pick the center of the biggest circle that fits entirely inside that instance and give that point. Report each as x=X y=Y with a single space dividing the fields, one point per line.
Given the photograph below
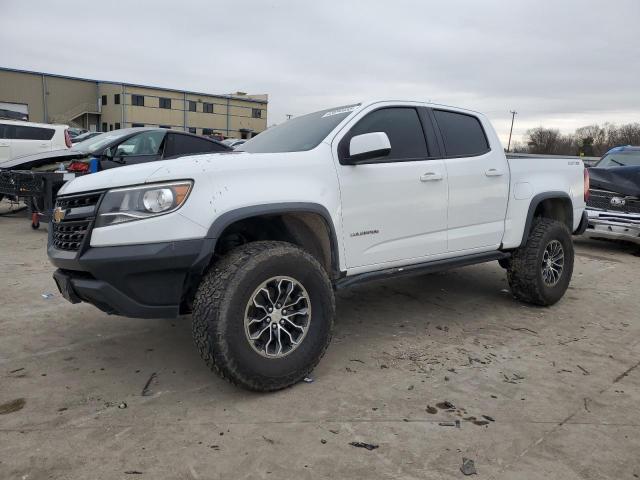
x=560 y=386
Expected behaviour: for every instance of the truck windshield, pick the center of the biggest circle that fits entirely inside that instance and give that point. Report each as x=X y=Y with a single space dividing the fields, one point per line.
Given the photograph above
x=620 y=159
x=299 y=133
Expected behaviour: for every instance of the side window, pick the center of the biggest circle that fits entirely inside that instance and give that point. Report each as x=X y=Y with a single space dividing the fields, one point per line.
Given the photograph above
x=145 y=143
x=21 y=132
x=186 y=145
x=4 y=130
x=462 y=134
x=402 y=126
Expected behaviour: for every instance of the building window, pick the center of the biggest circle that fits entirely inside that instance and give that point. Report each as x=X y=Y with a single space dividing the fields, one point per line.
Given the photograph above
x=256 y=113
x=110 y=126
x=192 y=106
x=165 y=102
x=104 y=100
x=137 y=125
x=207 y=131
x=137 y=100
x=116 y=99
x=193 y=130
x=104 y=126
x=207 y=107
x=164 y=126
x=117 y=126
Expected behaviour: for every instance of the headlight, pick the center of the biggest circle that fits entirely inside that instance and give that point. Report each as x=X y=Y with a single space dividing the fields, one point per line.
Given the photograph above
x=136 y=203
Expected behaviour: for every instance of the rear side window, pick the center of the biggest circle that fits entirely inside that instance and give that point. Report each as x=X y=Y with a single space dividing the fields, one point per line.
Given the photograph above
x=22 y=132
x=402 y=126
x=462 y=134
x=186 y=145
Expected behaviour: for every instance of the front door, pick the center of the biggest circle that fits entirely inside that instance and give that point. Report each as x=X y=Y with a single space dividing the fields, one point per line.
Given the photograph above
x=394 y=208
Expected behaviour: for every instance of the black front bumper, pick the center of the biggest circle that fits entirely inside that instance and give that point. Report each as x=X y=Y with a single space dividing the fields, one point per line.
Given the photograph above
x=144 y=281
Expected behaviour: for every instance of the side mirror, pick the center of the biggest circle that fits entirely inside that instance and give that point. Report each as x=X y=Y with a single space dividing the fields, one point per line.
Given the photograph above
x=367 y=146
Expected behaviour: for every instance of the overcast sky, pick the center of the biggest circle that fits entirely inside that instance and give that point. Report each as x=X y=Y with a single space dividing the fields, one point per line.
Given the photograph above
x=561 y=63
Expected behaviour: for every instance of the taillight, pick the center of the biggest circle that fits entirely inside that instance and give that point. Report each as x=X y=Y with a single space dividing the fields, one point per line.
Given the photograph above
x=586 y=185
x=78 y=167
x=67 y=139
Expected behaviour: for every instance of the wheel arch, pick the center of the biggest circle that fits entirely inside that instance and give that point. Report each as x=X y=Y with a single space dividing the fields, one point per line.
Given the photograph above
x=307 y=225
x=556 y=205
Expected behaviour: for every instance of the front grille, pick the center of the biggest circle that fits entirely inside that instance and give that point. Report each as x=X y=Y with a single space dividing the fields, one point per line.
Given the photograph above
x=70 y=233
x=601 y=199
x=20 y=183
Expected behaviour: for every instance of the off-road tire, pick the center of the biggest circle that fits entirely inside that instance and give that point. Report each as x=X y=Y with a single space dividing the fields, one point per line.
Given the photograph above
x=525 y=269
x=219 y=312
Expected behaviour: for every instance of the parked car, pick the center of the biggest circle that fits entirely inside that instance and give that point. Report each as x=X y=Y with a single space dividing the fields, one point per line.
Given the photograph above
x=84 y=136
x=233 y=142
x=76 y=132
x=255 y=247
x=24 y=138
x=613 y=205
x=37 y=178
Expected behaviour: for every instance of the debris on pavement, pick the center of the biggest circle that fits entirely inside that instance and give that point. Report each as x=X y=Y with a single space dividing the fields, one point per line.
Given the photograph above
x=368 y=446
x=447 y=424
x=432 y=410
x=12 y=406
x=487 y=417
x=335 y=432
x=122 y=405
x=47 y=296
x=468 y=466
x=584 y=370
x=133 y=472
x=323 y=441
x=146 y=390
x=307 y=380
x=446 y=405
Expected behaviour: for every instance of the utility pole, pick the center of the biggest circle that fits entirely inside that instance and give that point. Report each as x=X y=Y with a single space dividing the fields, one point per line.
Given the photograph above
x=513 y=116
x=289 y=116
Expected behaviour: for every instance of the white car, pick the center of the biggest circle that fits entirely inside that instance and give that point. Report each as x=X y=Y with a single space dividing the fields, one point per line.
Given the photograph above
x=25 y=138
x=254 y=242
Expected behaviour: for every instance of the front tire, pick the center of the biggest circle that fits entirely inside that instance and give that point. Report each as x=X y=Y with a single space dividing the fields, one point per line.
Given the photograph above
x=263 y=315
x=540 y=271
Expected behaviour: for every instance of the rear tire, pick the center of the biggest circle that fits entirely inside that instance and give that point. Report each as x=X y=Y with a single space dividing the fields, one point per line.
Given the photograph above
x=541 y=269
x=225 y=316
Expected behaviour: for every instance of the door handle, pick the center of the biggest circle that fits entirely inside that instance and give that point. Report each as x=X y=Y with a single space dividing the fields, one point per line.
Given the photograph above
x=493 y=172
x=430 y=177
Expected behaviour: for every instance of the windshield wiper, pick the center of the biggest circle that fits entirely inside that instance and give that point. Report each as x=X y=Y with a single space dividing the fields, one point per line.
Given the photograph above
x=619 y=163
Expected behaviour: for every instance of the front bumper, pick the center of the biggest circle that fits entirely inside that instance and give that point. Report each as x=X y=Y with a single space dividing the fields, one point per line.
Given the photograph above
x=143 y=281
x=613 y=225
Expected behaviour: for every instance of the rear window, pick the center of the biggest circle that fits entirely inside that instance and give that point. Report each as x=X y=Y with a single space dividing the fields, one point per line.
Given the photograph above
x=23 y=132
x=178 y=144
x=462 y=134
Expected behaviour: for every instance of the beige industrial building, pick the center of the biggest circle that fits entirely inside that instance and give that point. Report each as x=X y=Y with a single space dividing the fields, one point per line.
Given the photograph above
x=106 y=105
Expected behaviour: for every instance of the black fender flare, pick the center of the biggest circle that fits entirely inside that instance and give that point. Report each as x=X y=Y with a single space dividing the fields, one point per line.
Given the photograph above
x=223 y=221
x=533 y=205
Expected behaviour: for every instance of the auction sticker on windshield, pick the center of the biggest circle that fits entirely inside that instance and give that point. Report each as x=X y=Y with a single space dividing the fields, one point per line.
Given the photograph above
x=339 y=111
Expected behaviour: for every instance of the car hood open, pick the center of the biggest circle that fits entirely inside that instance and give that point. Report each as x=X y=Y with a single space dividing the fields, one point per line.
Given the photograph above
x=27 y=162
x=625 y=180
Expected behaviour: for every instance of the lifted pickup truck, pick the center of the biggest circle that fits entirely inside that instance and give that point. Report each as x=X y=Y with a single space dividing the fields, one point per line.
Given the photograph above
x=254 y=242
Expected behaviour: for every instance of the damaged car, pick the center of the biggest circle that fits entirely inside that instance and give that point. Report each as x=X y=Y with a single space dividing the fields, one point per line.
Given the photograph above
x=613 y=205
x=36 y=179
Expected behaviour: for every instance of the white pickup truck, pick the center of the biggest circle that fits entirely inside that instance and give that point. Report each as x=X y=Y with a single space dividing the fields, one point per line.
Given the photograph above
x=254 y=242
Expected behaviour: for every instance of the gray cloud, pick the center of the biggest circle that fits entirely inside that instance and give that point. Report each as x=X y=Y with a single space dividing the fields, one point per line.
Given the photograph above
x=562 y=64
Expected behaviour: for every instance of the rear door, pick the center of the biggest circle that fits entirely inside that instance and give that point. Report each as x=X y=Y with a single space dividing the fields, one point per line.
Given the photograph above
x=478 y=181
x=394 y=208
x=178 y=144
x=26 y=140
x=5 y=143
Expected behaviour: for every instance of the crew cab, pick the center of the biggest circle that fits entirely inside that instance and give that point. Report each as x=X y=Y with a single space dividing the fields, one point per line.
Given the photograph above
x=254 y=242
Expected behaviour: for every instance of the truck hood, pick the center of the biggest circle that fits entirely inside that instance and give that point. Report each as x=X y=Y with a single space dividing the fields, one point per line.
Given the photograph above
x=161 y=170
x=625 y=180
x=27 y=162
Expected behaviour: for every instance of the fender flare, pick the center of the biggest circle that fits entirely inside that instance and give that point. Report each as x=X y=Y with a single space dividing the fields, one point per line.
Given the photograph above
x=533 y=205
x=223 y=221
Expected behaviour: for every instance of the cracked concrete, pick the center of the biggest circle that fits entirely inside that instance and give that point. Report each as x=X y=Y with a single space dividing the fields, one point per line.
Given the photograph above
x=562 y=383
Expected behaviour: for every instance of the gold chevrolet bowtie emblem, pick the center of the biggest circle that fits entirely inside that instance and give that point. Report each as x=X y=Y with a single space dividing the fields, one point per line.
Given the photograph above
x=58 y=215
